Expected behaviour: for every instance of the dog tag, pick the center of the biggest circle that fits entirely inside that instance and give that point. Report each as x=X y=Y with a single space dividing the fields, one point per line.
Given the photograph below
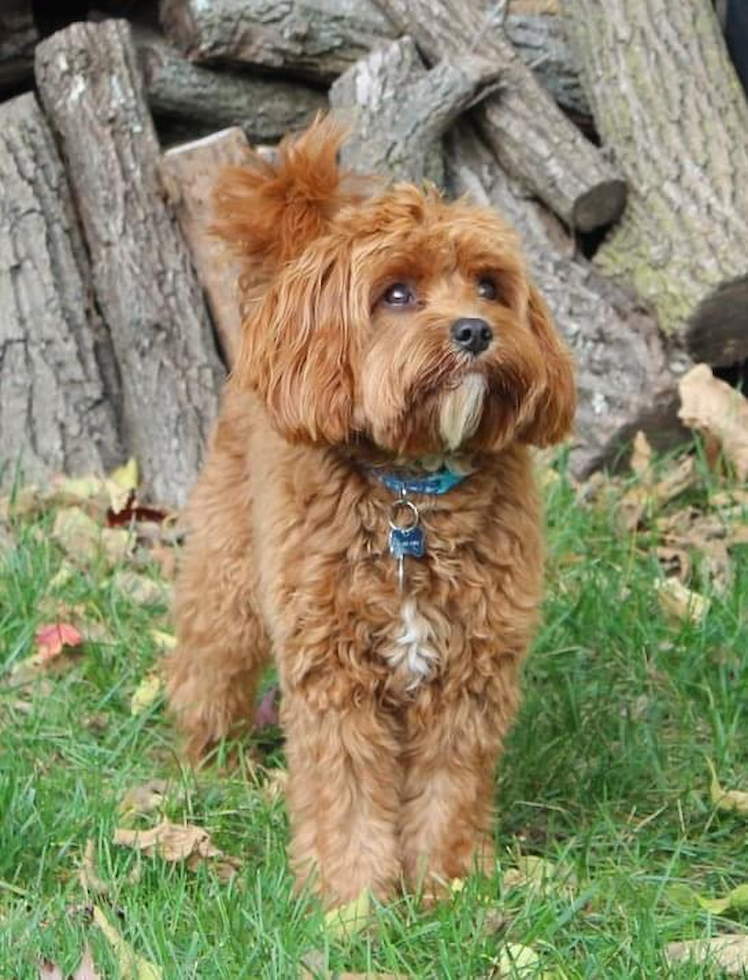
x=407 y=541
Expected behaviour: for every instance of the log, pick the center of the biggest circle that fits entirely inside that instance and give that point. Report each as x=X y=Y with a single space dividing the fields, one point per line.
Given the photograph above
x=626 y=378
x=91 y=88
x=18 y=36
x=681 y=137
x=316 y=39
x=189 y=174
x=56 y=408
x=398 y=111
x=203 y=100
x=531 y=137
x=541 y=42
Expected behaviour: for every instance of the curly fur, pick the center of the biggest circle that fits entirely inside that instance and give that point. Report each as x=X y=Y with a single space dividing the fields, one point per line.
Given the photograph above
x=395 y=706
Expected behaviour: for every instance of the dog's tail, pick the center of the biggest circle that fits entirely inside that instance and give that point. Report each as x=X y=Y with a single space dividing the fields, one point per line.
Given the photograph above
x=268 y=212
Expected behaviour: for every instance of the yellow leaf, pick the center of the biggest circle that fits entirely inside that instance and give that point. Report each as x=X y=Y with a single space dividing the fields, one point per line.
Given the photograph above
x=132 y=966
x=715 y=408
x=145 y=798
x=127 y=476
x=736 y=900
x=146 y=693
x=680 y=602
x=641 y=455
x=727 y=800
x=516 y=960
x=275 y=785
x=162 y=640
x=139 y=588
x=728 y=952
x=347 y=920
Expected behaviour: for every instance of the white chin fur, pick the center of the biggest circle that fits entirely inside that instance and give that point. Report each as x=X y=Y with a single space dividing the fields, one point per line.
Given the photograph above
x=461 y=410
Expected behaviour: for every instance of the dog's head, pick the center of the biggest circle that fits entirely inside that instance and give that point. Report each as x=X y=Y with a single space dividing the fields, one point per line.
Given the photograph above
x=400 y=319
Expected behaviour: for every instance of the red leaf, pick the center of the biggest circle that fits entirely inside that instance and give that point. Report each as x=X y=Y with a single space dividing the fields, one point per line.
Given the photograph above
x=133 y=511
x=53 y=638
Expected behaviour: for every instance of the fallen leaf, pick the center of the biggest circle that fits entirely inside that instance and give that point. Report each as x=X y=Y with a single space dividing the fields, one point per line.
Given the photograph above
x=275 y=785
x=139 y=588
x=675 y=562
x=641 y=454
x=53 y=638
x=736 y=900
x=347 y=920
x=166 y=559
x=680 y=602
x=726 y=800
x=146 y=798
x=728 y=952
x=86 y=969
x=132 y=966
x=712 y=406
x=83 y=540
x=88 y=874
x=62 y=576
x=539 y=875
x=146 y=693
x=163 y=641
x=131 y=511
x=178 y=842
x=126 y=477
x=515 y=960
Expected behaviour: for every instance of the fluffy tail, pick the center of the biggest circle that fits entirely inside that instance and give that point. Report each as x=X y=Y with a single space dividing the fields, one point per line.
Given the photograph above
x=267 y=213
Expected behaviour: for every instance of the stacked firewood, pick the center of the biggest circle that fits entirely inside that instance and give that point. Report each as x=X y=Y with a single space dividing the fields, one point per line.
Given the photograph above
x=614 y=136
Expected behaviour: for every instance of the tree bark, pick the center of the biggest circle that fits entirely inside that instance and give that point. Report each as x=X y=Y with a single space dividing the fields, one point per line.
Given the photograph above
x=18 y=36
x=531 y=137
x=56 y=413
x=92 y=90
x=625 y=377
x=204 y=100
x=398 y=111
x=667 y=101
x=189 y=173
x=541 y=42
x=317 y=39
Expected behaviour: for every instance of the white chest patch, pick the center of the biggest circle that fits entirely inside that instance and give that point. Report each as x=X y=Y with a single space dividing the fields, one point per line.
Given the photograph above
x=414 y=650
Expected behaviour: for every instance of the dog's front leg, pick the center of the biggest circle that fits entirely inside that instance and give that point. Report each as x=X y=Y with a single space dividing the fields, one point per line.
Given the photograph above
x=343 y=795
x=452 y=744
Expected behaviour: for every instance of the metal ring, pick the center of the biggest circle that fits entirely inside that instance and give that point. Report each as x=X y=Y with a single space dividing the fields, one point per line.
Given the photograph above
x=404 y=505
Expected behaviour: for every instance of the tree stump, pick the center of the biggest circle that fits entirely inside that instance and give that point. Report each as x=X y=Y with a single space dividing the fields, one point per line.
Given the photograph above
x=56 y=409
x=668 y=102
x=531 y=137
x=398 y=111
x=203 y=100
x=146 y=288
x=625 y=376
x=189 y=173
x=316 y=39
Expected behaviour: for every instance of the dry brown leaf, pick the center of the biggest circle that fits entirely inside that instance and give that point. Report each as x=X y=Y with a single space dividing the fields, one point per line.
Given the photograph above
x=680 y=602
x=88 y=874
x=86 y=969
x=178 y=842
x=727 y=800
x=131 y=966
x=139 y=588
x=515 y=960
x=712 y=406
x=146 y=798
x=641 y=454
x=166 y=559
x=648 y=496
x=675 y=562
x=83 y=540
x=730 y=952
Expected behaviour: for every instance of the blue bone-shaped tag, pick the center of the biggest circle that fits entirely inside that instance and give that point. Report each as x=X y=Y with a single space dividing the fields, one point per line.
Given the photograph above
x=407 y=541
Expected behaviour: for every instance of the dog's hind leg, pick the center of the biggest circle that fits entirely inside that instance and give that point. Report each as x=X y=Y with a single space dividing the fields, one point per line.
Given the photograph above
x=222 y=646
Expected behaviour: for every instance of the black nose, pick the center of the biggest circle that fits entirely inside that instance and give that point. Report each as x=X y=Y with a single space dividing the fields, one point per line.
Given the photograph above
x=472 y=334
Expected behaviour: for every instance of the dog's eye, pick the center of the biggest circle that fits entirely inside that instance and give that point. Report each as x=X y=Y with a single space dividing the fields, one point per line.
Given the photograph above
x=487 y=288
x=398 y=294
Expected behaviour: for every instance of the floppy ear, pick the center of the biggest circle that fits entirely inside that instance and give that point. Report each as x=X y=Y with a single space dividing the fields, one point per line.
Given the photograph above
x=554 y=413
x=297 y=350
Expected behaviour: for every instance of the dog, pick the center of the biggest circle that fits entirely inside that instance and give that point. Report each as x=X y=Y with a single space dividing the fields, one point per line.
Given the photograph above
x=367 y=516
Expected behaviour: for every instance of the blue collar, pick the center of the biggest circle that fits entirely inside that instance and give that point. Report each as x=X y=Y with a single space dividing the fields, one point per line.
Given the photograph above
x=434 y=484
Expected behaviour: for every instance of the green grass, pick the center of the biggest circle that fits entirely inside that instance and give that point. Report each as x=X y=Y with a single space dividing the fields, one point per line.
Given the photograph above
x=605 y=773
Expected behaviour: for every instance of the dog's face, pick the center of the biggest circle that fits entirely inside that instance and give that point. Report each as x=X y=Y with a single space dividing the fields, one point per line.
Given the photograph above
x=411 y=323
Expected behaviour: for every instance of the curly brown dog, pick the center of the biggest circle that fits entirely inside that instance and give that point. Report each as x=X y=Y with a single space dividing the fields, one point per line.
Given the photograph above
x=367 y=515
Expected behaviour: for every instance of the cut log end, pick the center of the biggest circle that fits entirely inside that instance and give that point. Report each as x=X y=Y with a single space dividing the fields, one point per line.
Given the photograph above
x=717 y=332
x=601 y=205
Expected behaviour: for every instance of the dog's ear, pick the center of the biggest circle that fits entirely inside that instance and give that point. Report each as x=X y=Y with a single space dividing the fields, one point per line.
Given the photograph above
x=298 y=350
x=554 y=413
